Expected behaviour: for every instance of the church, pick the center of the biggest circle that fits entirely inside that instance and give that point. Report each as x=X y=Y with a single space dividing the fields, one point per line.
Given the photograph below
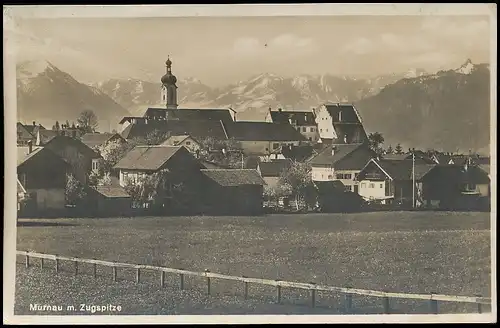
x=199 y=123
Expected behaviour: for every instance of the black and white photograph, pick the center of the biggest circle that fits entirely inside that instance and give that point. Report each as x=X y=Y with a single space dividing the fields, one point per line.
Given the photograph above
x=247 y=163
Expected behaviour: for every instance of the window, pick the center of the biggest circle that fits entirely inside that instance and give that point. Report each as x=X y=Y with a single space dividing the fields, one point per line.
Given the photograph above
x=363 y=185
x=348 y=176
x=276 y=145
x=304 y=129
x=340 y=176
x=348 y=188
x=326 y=130
x=310 y=139
x=372 y=185
x=95 y=164
x=330 y=176
x=381 y=185
x=188 y=143
x=320 y=130
x=469 y=187
x=311 y=129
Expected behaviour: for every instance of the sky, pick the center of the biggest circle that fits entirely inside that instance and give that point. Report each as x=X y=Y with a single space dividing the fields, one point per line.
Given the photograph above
x=224 y=50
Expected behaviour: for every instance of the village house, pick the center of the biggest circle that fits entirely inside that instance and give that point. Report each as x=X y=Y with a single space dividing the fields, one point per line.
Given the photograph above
x=182 y=167
x=232 y=191
x=391 y=181
x=262 y=138
x=96 y=140
x=339 y=124
x=27 y=133
x=83 y=160
x=456 y=187
x=303 y=121
x=342 y=163
x=187 y=141
x=41 y=176
x=108 y=201
x=272 y=171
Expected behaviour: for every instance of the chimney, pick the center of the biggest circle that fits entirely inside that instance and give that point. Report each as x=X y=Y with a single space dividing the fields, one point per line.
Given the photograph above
x=334 y=149
x=279 y=110
x=34 y=123
x=30 y=147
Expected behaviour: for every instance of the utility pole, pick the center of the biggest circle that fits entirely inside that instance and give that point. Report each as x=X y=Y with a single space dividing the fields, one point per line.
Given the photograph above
x=413 y=178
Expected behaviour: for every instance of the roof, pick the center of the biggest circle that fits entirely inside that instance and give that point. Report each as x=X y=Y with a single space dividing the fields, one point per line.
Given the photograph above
x=190 y=114
x=23 y=152
x=397 y=157
x=262 y=131
x=234 y=177
x=32 y=128
x=62 y=141
x=46 y=136
x=148 y=158
x=342 y=152
x=20 y=187
x=293 y=117
x=24 y=157
x=349 y=113
x=403 y=170
x=97 y=139
x=112 y=191
x=274 y=168
x=453 y=172
x=196 y=129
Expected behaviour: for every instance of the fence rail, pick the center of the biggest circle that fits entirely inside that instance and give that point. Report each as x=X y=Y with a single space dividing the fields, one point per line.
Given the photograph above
x=312 y=287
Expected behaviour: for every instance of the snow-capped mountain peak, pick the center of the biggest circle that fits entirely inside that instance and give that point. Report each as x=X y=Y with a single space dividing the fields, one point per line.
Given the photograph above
x=466 y=68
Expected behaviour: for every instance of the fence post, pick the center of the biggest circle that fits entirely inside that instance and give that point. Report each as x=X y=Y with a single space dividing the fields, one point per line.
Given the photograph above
x=387 y=305
x=138 y=276
x=41 y=263
x=162 y=279
x=181 y=275
x=94 y=269
x=208 y=282
x=278 y=292
x=76 y=267
x=434 y=305
x=348 y=301
x=27 y=260
x=313 y=295
x=57 y=263
x=479 y=305
x=114 y=273
x=246 y=288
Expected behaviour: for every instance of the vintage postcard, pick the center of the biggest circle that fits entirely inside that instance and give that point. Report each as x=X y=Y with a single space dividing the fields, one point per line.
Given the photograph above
x=250 y=163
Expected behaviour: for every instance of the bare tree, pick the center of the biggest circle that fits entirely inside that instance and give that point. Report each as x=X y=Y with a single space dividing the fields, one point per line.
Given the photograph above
x=88 y=121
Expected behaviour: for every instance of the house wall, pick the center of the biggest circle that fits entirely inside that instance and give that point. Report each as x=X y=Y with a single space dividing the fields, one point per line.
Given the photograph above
x=310 y=132
x=49 y=199
x=190 y=145
x=483 y=189
x=320 y=173
x=132 y=175
x=271 y=181
x=373 y=189
x=325 y=123
x=81 y=165
x=23 y=136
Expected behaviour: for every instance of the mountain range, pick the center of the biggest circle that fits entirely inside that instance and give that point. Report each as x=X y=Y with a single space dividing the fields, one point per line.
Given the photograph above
x=448 y=110
x=46 y=94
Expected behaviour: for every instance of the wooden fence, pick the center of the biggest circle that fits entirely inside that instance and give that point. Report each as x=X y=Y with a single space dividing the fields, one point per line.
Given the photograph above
x=312 y=287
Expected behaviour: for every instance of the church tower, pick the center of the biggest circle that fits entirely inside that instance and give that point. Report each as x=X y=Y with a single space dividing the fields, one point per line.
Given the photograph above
x=169 y=87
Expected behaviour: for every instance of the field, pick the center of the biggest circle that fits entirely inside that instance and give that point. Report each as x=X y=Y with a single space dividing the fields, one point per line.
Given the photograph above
x=408 y=252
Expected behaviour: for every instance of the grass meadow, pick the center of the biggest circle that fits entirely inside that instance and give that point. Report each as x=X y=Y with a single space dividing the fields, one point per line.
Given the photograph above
x=407 y=252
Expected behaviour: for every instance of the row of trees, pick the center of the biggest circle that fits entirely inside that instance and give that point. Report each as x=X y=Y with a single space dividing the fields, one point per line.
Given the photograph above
x=87 y=122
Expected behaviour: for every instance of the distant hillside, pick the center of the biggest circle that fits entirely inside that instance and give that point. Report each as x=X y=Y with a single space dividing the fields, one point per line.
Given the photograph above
x=46 y=94
x=449 y=110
